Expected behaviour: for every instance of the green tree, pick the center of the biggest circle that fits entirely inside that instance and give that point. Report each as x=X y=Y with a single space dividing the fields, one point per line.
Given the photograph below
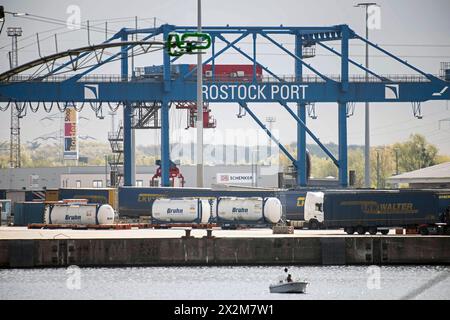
x=284 y=161
x=322 y=167
x=416 y=153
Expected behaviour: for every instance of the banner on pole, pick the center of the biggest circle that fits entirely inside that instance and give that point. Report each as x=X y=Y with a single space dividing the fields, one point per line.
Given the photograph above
x=70 y=133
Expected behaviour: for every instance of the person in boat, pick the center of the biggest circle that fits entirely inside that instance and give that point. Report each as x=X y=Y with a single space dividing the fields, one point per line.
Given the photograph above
x=289 y=278
x=283 y=279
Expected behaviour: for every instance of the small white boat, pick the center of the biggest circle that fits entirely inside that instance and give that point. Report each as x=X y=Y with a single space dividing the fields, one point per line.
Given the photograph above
x=289 y=287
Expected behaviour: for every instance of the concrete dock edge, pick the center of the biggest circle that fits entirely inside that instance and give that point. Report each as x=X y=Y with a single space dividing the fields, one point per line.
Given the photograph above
x=188 y=251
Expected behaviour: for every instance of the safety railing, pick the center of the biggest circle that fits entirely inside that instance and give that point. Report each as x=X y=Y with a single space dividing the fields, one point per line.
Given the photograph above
x=313 y=78
x=309 y=78
x=60 y=78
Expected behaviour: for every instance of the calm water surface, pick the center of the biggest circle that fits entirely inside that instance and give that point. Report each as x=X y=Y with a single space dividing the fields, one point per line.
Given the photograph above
x=217 y=283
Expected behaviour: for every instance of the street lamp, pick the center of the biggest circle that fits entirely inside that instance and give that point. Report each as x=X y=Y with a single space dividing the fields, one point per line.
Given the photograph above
x=366 y=5
x=396 y=161
x=106 y=170
x=254 y=168
x=271 y=120
x=199 y=123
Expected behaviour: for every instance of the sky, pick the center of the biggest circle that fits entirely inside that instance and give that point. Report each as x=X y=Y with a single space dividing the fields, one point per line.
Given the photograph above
x=418 y=31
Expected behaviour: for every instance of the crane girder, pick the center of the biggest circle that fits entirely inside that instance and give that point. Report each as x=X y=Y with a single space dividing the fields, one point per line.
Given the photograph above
x=298 y=92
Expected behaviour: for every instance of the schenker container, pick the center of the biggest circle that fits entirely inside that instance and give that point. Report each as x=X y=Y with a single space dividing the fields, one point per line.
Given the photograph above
x=252 y=210
x=181 y=211
x=83 y=214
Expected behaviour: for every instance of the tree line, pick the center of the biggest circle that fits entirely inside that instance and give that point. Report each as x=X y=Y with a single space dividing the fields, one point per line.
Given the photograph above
x=386 y=161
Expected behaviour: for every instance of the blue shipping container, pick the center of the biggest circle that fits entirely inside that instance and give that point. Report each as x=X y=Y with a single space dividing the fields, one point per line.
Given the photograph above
x=28 y=212
x=158 y=70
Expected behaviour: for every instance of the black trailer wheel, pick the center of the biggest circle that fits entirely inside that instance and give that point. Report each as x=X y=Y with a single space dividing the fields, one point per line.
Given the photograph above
x=360 y=230
x=384 y=232
x=373 y=230
x=349 y=230
x=424 y=231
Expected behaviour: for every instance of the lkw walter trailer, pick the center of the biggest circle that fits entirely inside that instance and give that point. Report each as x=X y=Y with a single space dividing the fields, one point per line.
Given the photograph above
x=375 y=211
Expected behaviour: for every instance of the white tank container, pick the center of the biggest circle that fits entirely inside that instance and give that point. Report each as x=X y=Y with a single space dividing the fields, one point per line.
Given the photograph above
x=249 y=209
x=79 y=214
x=273 y=210
x=181 y=210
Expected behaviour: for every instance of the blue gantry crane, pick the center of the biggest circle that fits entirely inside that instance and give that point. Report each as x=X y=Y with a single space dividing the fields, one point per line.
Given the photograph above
x=75 y=81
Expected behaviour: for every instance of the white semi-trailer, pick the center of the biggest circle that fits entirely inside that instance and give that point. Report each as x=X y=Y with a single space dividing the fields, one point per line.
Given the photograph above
x=376 y=211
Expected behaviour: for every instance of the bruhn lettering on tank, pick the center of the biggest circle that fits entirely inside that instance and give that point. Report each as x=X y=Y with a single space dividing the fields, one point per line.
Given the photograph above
x=174 y=211
x=240 y=210
x=68 y=217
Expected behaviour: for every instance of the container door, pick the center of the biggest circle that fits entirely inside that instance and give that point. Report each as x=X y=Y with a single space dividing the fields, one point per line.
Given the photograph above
x=112 y=199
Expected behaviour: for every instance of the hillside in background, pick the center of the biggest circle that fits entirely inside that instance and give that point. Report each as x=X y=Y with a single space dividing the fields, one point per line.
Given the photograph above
x=386 y=161
x=93 y=153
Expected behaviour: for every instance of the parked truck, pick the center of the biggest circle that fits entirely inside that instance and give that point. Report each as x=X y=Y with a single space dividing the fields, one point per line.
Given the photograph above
x=375 y=211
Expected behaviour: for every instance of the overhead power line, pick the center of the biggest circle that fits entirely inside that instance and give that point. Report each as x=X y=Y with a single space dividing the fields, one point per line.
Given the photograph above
x=350 y=55
x=63 y=24
x=425 y=45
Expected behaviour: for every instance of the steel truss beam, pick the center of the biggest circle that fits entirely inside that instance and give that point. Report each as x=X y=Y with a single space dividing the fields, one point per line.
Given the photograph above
x=75 y=56
x=303 y=89
x=146 y=115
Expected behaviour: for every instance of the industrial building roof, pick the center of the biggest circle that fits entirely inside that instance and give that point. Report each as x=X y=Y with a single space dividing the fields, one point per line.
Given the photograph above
x=439 y=173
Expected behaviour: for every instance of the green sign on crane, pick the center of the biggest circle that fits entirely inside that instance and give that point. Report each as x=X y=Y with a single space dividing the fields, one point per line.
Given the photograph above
x=187 y=43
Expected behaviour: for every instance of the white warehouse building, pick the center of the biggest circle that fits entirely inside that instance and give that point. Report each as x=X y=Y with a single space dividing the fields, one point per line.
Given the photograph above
x=98 y=176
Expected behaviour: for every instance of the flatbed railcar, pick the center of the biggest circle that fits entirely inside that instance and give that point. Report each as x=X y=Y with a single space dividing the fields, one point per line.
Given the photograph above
x=136 y=202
